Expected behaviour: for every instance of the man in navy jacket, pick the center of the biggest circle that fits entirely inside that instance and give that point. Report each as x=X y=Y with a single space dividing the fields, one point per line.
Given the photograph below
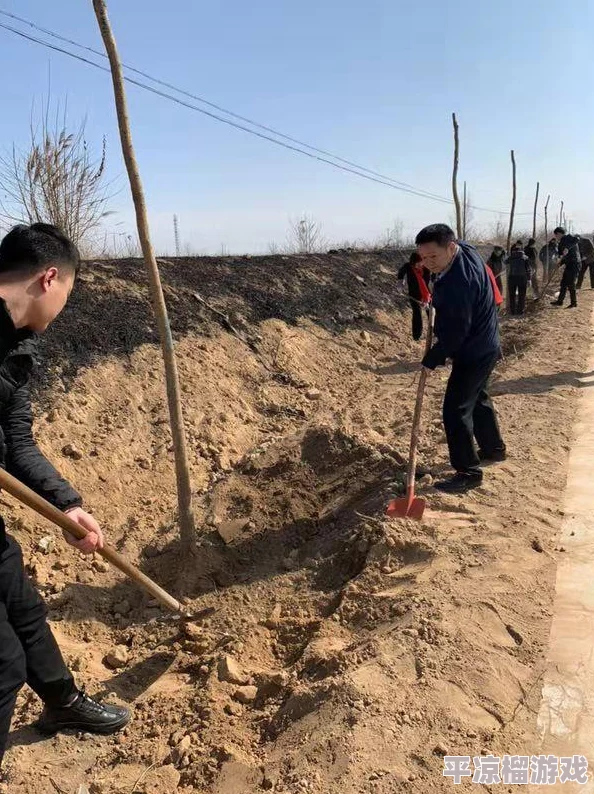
x=467 y=333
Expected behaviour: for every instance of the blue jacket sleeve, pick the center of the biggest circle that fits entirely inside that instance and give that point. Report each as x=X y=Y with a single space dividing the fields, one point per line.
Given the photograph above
x=436 y=357
x=24 y=459
x=452 y=325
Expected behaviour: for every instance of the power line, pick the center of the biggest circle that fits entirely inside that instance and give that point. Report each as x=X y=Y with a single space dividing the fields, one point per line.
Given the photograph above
x=354 y=168
x=218 y=107
x=165 y=95
x=383 y=179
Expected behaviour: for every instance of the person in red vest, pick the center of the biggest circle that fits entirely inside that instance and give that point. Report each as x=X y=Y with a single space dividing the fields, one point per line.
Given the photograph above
x=495 y=284
x=417 y=280
x=495 y=262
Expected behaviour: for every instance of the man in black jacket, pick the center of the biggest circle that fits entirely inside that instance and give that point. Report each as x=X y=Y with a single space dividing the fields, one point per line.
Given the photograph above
x=38 y=267
x=467 y=331
x=518 y=275
x=569 y=256
x=587 y=256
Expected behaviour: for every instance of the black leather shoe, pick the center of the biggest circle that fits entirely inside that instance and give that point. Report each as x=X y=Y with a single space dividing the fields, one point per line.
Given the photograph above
x=556 y=303
x=497 y=456
x=572 y=306
x=461 y=482
x=84 y=714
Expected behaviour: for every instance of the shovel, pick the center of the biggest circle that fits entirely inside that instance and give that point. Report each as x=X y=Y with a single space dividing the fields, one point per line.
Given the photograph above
x=37 y=503
x=411 y=506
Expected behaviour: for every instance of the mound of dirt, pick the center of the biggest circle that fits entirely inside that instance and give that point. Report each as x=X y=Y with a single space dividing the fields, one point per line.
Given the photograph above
x=335 y=650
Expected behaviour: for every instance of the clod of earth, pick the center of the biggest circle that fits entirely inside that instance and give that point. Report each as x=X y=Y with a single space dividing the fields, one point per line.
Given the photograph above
x=230 y=530
x=273 y=620
x=46 y=544
x=246 y=694
x=117 y=657
x=70 y=451
x=313 y=394
x=230 y=671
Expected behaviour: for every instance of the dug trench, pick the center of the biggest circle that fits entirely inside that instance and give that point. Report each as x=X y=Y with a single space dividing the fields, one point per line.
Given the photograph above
x=338 y=650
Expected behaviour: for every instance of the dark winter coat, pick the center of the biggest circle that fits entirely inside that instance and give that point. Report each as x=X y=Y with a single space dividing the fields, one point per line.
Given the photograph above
x=518 y=264
x=466 y=324
x=548 y=251
x=495 y=262
x=572 y=259
x=407 y=270
x=19 y=454
x=586 y=249
x=531 y=253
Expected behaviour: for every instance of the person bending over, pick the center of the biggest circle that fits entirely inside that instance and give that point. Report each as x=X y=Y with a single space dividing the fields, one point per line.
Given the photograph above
x=467 y=333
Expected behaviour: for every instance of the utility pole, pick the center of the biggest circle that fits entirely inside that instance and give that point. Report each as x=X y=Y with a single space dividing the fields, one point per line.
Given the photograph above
x=176 y=236
x=464 y=214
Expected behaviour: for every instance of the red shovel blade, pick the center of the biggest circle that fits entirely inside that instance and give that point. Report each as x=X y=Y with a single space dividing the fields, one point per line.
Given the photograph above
x=403 y=508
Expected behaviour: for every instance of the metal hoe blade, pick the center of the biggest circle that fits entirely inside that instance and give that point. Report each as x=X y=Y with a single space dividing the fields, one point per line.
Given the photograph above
x=402 y=508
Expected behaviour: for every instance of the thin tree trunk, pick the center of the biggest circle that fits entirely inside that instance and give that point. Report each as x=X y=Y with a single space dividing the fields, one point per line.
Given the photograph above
x=561 y=215
x=535 y=208
x=455 y=178
x=184 y=492
x=546 y=214
x=513 y=204
x=511 y=219
x=464 y=214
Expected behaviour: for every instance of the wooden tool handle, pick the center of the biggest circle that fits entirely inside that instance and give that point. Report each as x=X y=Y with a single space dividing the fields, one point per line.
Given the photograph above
x=416 y=425
x=28 y=497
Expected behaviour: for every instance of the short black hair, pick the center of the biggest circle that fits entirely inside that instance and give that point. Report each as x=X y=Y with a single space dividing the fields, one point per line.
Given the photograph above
x=438 y=233
x=26 y=250
x=559 y=230
x=415 y=258
x=532 y=241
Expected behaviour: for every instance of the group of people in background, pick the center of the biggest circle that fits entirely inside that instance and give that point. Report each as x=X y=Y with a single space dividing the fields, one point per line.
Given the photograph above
x=572 y=253
x=465 y=293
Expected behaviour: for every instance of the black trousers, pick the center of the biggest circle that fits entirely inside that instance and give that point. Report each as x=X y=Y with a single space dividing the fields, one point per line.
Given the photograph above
x=517 y=286
x=585 y=267
x=468 y=413
x=568 y=284
x=417 y=320
x=28 y=651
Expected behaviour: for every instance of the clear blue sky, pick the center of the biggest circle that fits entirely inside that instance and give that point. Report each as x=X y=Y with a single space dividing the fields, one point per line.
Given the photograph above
x=375 y=82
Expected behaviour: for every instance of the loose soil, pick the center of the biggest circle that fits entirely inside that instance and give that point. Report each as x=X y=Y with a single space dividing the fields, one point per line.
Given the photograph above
x=346 y=652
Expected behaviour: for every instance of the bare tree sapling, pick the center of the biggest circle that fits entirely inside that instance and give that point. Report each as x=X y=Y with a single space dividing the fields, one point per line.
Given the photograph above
x=184 y=492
